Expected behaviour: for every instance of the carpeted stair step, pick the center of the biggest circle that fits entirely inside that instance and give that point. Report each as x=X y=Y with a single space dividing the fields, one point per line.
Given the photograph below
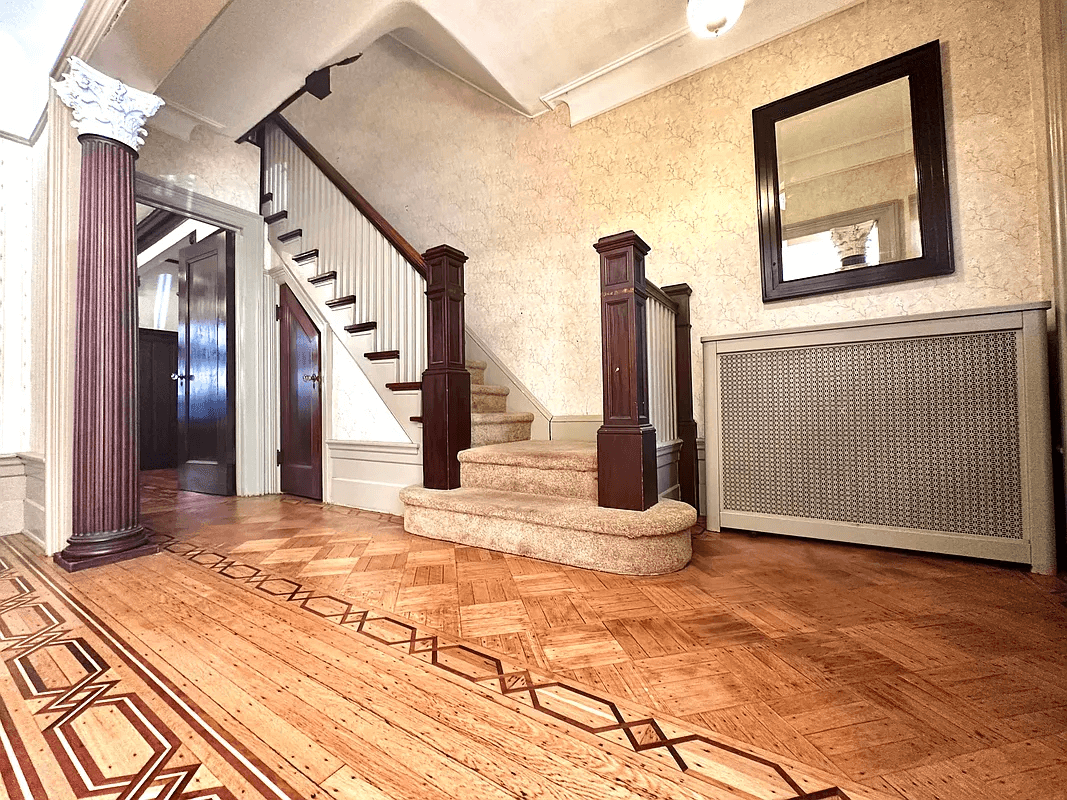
x=489 y=399
x=498 y=428
x=477 y=371
x=563 y=530
x=558 y=468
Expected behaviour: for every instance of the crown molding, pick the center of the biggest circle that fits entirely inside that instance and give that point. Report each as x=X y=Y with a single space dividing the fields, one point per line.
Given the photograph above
x=681 y=54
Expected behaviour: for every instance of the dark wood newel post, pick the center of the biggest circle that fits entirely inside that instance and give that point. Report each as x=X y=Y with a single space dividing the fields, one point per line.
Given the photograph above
x=688 y=477
x=446 y=384
x=626 y=442
x=105 y=519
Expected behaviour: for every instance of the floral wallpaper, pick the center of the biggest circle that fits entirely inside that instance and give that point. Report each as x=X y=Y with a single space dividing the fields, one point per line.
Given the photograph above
x=208 y=164
x=526 y=199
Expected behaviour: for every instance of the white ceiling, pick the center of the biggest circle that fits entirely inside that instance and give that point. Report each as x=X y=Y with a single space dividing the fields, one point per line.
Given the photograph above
x=228 y=65
x=31 y=35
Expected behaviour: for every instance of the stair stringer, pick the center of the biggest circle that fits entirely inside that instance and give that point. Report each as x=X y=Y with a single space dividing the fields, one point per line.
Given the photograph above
x=401 y=405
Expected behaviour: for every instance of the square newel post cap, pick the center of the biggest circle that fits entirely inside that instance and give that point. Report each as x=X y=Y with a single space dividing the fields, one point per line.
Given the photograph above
x=445 y=251
x=618 y=241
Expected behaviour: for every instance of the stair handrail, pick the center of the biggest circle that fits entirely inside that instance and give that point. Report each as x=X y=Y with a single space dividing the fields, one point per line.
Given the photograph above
x=662 y=296
x=410 y=254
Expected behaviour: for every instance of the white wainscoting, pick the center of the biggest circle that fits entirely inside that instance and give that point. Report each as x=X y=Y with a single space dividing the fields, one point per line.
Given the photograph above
x=33 y=508
x=12 y=494
x=370 y=475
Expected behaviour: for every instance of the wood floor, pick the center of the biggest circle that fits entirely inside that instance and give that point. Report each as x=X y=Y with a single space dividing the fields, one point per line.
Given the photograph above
x=921 y=677
x=160 y=679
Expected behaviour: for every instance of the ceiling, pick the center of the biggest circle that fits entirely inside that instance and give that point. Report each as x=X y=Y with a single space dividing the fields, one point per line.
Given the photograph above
x=31 y=35
x=229 y=64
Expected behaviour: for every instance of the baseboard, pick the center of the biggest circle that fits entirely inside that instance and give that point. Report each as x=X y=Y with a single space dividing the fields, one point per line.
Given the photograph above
x=370 y=475
x=575 y=428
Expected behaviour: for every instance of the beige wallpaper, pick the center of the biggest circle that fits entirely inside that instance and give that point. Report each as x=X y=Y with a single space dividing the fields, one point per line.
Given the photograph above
x=526 y=199
x=208 y=164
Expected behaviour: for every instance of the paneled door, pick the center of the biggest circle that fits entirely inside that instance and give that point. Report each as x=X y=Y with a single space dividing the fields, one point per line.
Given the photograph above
x=157 y=356
x=301 y=393
x=206 y=366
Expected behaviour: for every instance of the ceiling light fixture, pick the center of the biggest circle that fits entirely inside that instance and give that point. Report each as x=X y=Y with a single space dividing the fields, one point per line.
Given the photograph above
x=711 y=18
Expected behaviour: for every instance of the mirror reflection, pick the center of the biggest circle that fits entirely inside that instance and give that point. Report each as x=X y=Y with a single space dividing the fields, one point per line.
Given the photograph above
x=847 y=184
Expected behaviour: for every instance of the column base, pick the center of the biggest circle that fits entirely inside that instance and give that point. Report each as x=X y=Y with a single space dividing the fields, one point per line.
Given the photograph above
x=84 y=551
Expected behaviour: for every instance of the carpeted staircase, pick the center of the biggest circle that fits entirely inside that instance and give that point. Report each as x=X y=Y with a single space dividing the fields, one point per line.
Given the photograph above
x=539 y=499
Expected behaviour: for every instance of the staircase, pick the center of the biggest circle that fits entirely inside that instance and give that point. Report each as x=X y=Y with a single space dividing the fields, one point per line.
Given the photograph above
x=491 y=423
x=539 y=499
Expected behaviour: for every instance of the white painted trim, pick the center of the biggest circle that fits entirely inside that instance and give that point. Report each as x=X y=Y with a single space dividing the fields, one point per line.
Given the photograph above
x=667 y=457
x=575 y=427
x=255 y=462
x=370 y=475
x=679 y=55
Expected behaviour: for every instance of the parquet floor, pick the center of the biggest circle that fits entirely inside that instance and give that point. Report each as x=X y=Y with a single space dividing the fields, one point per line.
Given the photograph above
x=924 y=677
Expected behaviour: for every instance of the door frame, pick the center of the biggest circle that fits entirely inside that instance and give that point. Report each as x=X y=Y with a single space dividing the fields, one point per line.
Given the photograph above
x=253 y=315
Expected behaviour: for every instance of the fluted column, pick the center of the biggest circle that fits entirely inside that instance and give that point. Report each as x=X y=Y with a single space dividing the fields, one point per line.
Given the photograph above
x=106 y=504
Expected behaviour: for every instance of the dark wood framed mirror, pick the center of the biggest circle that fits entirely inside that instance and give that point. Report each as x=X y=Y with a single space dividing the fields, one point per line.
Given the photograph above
x=852 y=180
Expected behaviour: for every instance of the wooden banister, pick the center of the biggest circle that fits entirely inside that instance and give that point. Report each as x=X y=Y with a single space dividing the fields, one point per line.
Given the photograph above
x=688 y=477
x=446 y=383
x=626 y=442
x=661 y=295
x=349 y=191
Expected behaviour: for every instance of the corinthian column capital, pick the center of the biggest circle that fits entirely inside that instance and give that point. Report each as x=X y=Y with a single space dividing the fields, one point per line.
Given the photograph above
x=105 y=107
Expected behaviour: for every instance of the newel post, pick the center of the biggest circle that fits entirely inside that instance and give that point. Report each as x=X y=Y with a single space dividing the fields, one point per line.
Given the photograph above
x=688 y=479
x=446 y=384
x=626 y=442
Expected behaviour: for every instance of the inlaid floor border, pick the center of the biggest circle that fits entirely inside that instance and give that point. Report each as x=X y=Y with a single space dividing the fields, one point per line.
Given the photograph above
x=634 y=728
x=171 y=783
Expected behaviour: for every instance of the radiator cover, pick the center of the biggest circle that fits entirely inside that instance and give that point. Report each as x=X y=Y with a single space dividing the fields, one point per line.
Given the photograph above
x=923 y=432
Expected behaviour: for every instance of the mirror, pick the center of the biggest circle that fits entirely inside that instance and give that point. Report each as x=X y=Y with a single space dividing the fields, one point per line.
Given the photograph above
x=852 y=180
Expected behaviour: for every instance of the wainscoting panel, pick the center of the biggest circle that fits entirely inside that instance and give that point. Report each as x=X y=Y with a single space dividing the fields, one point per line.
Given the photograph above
x=925 y=433
x=370 y=475
x=12 y=494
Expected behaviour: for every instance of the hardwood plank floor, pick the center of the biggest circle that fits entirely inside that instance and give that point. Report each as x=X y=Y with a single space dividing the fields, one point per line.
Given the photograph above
x=916 y=675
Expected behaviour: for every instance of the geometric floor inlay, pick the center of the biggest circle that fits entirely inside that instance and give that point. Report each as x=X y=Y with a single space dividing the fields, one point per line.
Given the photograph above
x=82 y=715
x=698 y=754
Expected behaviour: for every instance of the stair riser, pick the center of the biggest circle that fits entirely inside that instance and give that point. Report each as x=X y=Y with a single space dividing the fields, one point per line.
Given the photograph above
x=477 y=376
x=482 y=434
x=653 y=555
x=489 y=403
x=508 y=478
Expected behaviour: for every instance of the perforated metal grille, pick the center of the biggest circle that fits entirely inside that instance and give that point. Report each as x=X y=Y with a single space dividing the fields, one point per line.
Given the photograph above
x=913 y=433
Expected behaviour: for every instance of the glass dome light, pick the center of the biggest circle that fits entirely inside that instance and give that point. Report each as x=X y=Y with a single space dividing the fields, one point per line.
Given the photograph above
x=711 y=18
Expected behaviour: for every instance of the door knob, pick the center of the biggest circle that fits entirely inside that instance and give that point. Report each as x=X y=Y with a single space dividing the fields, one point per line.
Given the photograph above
x=175 y=376
x=311 y=378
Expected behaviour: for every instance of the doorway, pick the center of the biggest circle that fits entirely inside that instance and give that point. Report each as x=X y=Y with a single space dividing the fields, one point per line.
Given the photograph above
x=300 y=352
x=186 y=359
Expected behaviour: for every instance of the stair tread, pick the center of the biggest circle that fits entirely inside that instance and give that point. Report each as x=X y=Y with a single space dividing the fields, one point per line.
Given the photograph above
x=488 y=388
x=665 y=517
x=472 y=363
x=561 y=455
x=501 y=417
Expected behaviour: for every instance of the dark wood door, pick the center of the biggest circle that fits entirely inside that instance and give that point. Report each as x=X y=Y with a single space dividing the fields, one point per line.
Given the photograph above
x=157 y=365
x=206 y=366
x=301 y=456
